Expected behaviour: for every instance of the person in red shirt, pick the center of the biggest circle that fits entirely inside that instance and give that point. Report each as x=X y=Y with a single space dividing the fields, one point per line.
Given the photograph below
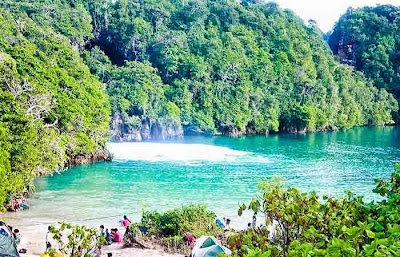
x=116 y=236
x=126 y=222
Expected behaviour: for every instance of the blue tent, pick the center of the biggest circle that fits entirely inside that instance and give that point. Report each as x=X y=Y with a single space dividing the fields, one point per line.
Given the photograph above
x=8 y=247
x=209 y=246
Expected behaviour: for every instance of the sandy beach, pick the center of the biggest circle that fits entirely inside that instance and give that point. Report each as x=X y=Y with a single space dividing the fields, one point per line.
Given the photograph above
x=118 y=250
x=33 y=239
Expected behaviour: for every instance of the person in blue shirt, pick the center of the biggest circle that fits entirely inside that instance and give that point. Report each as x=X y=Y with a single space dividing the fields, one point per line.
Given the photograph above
x=219 y=223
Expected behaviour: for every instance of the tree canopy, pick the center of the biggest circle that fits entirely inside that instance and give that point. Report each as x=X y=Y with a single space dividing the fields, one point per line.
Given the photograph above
x=237 y=68
x=51 y=110
x=219 y=66
x=369 y=38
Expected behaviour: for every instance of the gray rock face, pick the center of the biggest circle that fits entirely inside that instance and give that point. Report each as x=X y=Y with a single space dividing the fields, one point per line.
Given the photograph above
x=121 y=131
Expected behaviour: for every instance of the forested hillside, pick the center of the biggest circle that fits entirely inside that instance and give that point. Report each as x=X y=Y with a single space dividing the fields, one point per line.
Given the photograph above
x=52 y=110
x=369 y=39
x=167 y=66
x=228 y=67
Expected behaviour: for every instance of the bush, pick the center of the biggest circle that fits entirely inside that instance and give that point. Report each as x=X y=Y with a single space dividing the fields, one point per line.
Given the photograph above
x=169 y=228
x=178 y=222
x=82 y=241
x=334 y=227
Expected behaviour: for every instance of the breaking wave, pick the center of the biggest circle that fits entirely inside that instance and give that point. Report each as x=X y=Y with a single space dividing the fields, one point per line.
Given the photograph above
x=177 y=152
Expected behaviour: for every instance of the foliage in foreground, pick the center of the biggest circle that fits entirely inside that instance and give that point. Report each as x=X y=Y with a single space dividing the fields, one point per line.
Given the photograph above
x=170 y=227
x=335 y=227
x=74 y=241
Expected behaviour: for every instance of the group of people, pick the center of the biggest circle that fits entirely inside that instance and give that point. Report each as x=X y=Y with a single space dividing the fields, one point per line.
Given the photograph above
x=252 y=224
x=226 y=224
x=17 y=204
x=113 y=235
x=110 y=236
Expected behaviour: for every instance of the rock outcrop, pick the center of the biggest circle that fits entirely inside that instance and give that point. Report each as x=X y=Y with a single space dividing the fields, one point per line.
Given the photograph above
x=147 y=129
x=102 y=155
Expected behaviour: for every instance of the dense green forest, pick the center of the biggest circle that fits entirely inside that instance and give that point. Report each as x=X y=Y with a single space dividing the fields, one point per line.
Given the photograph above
x=157 y=67
x=369 y=39
x=52 y=109
x=229 y=67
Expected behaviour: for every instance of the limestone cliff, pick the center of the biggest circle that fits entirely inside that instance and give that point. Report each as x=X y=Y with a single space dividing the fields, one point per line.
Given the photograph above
x=146 y=129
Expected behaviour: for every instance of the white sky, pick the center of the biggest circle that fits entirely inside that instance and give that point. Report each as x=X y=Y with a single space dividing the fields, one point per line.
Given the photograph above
x=327 y=12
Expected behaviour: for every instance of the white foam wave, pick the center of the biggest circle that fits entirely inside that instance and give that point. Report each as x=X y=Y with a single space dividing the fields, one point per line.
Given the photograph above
x=177 y=152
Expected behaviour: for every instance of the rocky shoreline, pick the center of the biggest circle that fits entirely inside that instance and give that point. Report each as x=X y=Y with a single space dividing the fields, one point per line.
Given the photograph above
x=102 y=155
x=146 y=129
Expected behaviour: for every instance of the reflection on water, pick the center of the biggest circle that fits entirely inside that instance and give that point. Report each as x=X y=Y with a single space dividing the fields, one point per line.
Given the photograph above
x=218 y=171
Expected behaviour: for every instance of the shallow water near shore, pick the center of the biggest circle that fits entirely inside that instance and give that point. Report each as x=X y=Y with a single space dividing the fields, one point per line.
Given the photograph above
x=218 y=171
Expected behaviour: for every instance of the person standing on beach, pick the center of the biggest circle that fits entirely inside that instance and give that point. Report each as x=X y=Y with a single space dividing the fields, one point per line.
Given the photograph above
x=102 y=232
x=228 y=224
x=126 y=222
x=17 y=236
x=48 y=236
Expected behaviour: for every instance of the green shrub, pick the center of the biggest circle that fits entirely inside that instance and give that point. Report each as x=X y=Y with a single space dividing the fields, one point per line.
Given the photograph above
x=82 y=241
x=169 y=228
x=333 y=227
x=178 y=222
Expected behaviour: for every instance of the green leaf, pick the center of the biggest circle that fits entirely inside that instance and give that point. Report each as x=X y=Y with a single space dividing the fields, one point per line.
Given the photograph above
x=370 y=234
x=378 y=227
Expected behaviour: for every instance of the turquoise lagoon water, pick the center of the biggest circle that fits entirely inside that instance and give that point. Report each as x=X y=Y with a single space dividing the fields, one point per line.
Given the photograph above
x=218 y=171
